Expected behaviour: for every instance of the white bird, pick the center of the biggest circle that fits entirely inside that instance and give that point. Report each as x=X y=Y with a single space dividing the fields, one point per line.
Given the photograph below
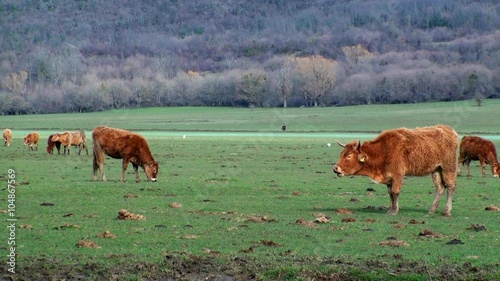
x=328 y=144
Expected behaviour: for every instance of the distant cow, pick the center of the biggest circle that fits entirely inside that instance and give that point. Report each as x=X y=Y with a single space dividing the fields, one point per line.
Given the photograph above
x=51 y=144
x=31 y=140
x=79 y=139
x=126 y=145
x=65 y=139
x=399 y=152
x=7 y=137
x=68 y=139
x=474 y=148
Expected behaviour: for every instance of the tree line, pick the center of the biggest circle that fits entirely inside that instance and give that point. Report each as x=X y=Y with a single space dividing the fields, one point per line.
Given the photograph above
x=82 y=56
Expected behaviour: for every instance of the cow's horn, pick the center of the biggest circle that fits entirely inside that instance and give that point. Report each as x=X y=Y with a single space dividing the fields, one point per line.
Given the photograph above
x=341 y=144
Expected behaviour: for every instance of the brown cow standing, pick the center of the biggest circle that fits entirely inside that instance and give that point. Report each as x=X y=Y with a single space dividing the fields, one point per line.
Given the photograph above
x=399 y=152
x=79 y=139
x=31 y=140
x=475 y=148
x=7 y=137
x=65 y=139
x=51 y=144
x=126 y=145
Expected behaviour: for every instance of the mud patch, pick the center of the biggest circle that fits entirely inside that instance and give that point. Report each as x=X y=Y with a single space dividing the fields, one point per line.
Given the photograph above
x=180 y=266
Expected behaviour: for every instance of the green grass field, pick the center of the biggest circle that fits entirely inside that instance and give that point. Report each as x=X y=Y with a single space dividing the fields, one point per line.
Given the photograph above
x=239 y=200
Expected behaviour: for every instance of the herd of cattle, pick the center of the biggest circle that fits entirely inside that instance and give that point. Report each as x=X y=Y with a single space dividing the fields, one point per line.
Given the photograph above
x=387 y=159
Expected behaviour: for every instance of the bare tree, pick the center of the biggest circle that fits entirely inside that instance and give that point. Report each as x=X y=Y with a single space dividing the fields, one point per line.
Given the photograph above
x=319 y=76
x=252 y=85
x=284 y=79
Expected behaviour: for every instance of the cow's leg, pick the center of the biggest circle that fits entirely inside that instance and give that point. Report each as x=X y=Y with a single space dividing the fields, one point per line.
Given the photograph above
x=124 y=167
x=437 y=178
x=482 y=163
x=394 y=188
x=79 y=149
x=450 y=182
x=461 y=161
x=136 y=171
x=98 y=164
x=467 y=163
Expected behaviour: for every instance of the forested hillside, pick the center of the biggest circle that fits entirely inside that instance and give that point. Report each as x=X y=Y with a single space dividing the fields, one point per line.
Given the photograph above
x=90 y=55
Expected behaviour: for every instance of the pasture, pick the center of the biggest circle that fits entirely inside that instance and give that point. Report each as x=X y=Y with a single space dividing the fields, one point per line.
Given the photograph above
x=238 y=199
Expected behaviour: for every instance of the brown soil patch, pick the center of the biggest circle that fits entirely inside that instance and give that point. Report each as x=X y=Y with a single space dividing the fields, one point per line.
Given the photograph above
x=257 y=218
x=492 y=208
x=87 y=244
x=126 y=215
x=106 y=234
x=429 y=233
x=394 y=243
x=344 y=211
x=130 y=195
x=175 y=205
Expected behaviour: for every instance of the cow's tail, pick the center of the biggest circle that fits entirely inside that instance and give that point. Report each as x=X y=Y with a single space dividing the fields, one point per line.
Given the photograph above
x=84 y=141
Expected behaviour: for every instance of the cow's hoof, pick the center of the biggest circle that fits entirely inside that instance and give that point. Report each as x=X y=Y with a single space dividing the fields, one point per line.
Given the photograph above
x=446 y=214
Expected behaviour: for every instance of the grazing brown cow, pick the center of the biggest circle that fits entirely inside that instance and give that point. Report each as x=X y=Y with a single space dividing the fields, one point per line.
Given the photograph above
x=399 y=152
x=126 y=145
x=79 y=140
x=65 y=139
x=7 y=137
x=31 y=140
x=51 y=144
x=475 y=148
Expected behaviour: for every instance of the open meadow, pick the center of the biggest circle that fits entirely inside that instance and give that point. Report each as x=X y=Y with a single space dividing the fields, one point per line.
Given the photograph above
x=239 y=199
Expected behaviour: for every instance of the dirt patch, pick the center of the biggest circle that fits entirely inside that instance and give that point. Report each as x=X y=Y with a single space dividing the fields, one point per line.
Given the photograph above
x=106 y=234
x=126 y=215
x=87 y=244
x=492 y=208
x=181 y=266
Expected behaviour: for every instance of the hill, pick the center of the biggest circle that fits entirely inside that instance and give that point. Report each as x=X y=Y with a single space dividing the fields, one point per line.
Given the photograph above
x=80 y=56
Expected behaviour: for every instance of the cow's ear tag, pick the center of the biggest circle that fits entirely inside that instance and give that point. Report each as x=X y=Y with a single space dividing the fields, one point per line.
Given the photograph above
x=362 y=159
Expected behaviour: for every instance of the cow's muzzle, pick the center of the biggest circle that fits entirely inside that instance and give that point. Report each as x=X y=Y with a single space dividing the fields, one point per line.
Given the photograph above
x=337 y=170
x=153 y=179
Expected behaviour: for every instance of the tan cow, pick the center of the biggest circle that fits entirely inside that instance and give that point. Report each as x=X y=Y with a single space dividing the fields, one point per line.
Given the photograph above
x=65 y=139
x=79 y=140
x=31 y=140
x=7 y=137
x=400 y=152
x=126 y=145
x=474 y=148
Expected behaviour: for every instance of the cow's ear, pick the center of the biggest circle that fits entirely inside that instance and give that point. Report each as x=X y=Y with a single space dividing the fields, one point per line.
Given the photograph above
x=362 y=158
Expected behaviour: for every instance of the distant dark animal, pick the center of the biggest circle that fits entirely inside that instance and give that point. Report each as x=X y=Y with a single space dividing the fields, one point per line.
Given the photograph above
x=400 y=152
x=474 y=148
x=51 y=144
x=31 y=140
x=7 y=137
x=283 y=128
x=126 y=145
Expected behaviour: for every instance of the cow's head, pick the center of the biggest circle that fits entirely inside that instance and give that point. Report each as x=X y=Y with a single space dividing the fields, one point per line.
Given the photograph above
x=26 y=140
x=496 y=170
x=351 y=159
x=151 y=171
